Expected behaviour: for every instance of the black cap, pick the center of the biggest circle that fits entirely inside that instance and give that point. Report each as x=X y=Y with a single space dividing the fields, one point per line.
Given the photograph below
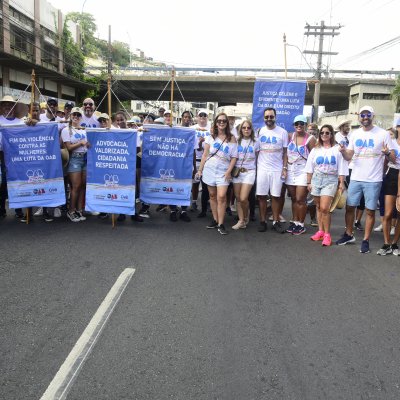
x=52 y=100
x=69 y=104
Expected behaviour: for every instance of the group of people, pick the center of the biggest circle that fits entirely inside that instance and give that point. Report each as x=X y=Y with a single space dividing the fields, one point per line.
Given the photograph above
x=241 y=163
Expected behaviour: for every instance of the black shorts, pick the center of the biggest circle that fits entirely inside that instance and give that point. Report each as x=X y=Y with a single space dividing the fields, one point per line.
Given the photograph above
x=390 y=182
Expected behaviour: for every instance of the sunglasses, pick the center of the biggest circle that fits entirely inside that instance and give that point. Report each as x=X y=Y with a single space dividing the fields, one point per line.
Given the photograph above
x=202 y=115
x=368 y=115
x=88 y=104
x=324 y=133
x=102 y=120
x=246 y=127
x=299 y=123
x=76 y=114
x=222 y=121
x=269 y=117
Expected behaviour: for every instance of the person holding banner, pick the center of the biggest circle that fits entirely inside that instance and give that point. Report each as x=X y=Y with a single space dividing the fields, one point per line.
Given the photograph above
x=325 y=167
x=89 y=120
x=271 y=168
x=300 y=145
x=248 y=148
x=75 y=140
x=219 y=158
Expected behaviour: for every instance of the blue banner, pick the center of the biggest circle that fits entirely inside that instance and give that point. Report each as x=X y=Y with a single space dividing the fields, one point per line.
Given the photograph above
x=287 y=97
x=111 y=171
x=33 y=163
x=167 y=165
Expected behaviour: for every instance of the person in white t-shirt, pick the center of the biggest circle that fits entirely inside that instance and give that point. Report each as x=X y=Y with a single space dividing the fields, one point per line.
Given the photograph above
x=219 y=158
x=271 y=168
x=89 y=119
x=367 y=149
x=51 y=111
x=248 y=148
x=325 y=169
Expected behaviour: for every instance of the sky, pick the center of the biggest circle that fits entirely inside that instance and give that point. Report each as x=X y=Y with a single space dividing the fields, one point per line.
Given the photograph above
x=218 y=33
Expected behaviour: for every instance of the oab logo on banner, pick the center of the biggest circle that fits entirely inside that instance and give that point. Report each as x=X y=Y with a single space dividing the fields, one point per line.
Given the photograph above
x=167 y=165
x=287 y=97
x=111 y=171
x=33 y=161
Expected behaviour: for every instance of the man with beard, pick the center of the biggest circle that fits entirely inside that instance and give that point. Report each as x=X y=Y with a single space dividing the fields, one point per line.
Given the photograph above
x=51 y=111
x=271 y=168
x=89 y=120
x=367 y=149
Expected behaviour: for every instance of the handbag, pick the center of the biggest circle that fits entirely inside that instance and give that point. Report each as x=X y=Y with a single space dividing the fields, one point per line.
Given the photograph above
x=236 y=170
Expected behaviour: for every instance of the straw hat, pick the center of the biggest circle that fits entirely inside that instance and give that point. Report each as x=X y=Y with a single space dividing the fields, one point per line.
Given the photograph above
x=339 y=201
x=7 y=98
x=64 y=157
x=343 y=122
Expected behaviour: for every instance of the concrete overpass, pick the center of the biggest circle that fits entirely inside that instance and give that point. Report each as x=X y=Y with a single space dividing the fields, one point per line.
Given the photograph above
x=233 y=85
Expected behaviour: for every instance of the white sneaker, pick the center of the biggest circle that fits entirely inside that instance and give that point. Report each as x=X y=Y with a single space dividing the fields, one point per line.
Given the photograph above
x=378 y=228
x=38 y=212
x=57 y=213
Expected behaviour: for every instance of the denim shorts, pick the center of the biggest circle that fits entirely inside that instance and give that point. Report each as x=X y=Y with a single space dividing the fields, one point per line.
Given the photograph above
x=324 y=184
x=77 y=163
x=370 y=190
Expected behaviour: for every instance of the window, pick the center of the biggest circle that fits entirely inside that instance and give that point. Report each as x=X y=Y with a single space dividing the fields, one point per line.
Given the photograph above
x=354 y=97
x=138 y=106
x=376 y=96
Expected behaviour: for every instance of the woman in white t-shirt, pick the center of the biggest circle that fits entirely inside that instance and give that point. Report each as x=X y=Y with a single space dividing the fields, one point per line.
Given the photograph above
x=248 y=148
x=325 y=168
x=217 y=162
x=75 y=140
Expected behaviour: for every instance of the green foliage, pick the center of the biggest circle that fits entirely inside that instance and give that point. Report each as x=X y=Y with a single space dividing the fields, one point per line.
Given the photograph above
x=120 y=53
x=74 y=61
x=396 y=93
x=88 y=28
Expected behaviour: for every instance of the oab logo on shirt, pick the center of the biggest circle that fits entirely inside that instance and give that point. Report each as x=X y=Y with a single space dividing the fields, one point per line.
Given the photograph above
x=365 y=143
x=325 y=160
x=223 y=149
x=269 y=139
x=242 y=149
x=292 y=147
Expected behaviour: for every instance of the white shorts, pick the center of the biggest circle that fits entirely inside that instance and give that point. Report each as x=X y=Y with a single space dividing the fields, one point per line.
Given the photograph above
x=248 y=177
x=296 y=177
x=269 y=182
x=214 y=176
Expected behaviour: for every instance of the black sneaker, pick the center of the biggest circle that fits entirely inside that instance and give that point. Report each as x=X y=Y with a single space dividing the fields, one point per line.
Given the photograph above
x=161 y=207
x=47 y=217
x=222 y=230
x=212 y=225
x=145 y=212
x=121 y=217
x=137 y=218
x=291 y=227
x=24 y=219
x=173 y=217
x=345 y=239
x=202 y=214
x=102 y=215
x=277 y=226
x=262 y=227
x=184 y=216
x=395 y=249
x=19 y=215
x=364 y=247
x=385 y=250
x=358 y=226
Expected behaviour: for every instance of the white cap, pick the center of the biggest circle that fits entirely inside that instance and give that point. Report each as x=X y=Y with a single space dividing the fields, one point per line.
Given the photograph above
x=366 y=108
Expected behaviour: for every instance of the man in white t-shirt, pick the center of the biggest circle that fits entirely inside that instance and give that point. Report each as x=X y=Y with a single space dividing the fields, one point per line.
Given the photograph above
x=89 y=120
x=367 y=148
x=271 y=168
x=51 y=111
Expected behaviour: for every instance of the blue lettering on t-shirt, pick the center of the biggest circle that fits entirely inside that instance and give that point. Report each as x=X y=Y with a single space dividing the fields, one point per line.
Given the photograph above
x=325 y=160
x=364 y=143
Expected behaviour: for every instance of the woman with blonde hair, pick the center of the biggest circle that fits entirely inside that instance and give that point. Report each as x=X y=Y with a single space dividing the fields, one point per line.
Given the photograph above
x=248 y=148
x=218 y=160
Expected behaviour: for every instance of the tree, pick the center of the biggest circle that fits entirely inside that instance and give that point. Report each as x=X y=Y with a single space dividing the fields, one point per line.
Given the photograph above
x=88 y=28
x=120 y=53
x=396 y=94
x=73 y=57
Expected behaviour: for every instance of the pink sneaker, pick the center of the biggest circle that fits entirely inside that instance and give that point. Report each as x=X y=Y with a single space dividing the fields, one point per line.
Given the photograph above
x=327 y=240
x=318 y=236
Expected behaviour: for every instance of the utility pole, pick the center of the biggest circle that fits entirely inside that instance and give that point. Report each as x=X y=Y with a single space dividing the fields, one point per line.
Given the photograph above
x=321 y=31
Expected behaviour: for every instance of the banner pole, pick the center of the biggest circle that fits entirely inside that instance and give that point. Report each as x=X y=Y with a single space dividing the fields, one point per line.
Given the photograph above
x=284 y=52
x=172 y=95
x=33 y=76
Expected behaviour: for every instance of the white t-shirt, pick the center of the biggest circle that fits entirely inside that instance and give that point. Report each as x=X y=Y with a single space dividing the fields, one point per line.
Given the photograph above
x=341 y=139
x=326 y=161
x=221 y=153
x=271 y=143
x=368 y=157
x=90 y=122
x=298 y=154
x=6 y=121
x=247 y=150
x=74 y=136
x=396 y=147
x=45 y=118
x=200 y=132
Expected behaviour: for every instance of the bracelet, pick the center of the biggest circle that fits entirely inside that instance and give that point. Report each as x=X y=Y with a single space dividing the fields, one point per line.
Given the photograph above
x=284 y=167
x=308 y=183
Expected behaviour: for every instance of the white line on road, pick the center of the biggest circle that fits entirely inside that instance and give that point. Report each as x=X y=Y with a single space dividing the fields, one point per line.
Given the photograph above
x=62 y=382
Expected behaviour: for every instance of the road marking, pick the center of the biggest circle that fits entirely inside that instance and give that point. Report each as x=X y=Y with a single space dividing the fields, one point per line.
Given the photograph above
x=62 y=382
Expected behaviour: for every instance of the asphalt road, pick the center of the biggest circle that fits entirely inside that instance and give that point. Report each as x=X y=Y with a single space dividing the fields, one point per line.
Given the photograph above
x=246 y=316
